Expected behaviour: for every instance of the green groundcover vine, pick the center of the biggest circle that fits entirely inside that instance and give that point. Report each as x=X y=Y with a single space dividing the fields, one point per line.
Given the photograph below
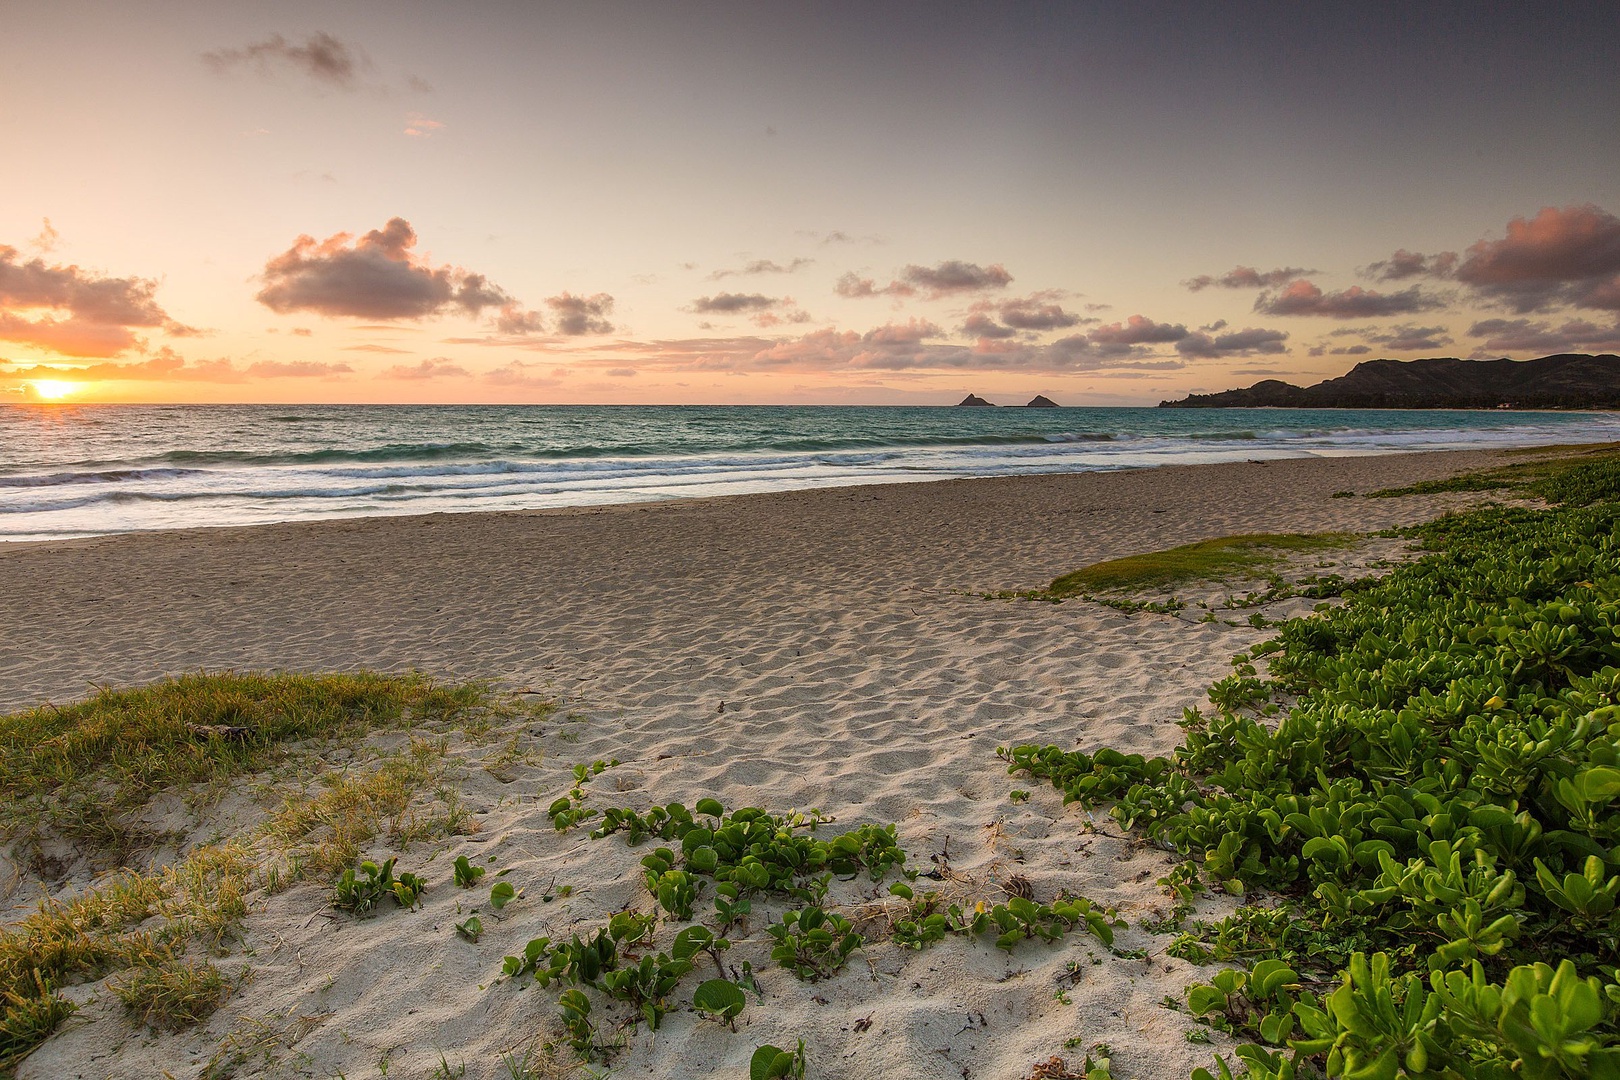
x=1418 y=801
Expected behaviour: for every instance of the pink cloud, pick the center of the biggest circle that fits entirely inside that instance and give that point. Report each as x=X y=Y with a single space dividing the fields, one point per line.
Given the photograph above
x=1560 y=256
x=377 y=276
x=74 y=312
x=1304 y=298
x=1247 y=277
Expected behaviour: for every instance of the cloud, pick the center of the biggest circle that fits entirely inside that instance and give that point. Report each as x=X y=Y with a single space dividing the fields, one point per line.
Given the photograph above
x=1408 y=264
x=1247 y=277
x=621 y=372
x=1032 y=313
x=1411 y=338
x=732 y=303
x=385 y=349
x=954 y=276
x=577 y=315
x=949 y=278
x=1252 y=341
x=896 y=347
x=48 y=239
x=419 y=126
x=377 y=276
x=853 y=286
x=169 y=366
x=437 y=368
x=295 y=369
x=1560 y=256
x=520 y=375
x=74 y=312
x=983 y=326
x=323 y=58
x=1304 y=298
x=763 y=266
x=1137 y=330
x=1523 y=335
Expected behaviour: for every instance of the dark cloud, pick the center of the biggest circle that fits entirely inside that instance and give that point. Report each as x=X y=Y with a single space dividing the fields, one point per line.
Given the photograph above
x=377 y=276
x=1560 y=256
x=1025 y=315
x=1032 y=314
x=1525 y=336
x=763 y=266
x=1252 y=341
x=950 y=278
x=955 y=276
x=732 y=303
x=1410 y=338
x=327 y=60
x=437 y=368
x=577 y=315
x=1304 y=298
x=1409 y=264
x=983 y=326
x=75 y=312
x=1137 y=330
x=853 y=286
x=1247 y=277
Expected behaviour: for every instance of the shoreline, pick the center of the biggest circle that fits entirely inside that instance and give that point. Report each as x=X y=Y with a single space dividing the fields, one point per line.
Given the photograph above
x=977 y=534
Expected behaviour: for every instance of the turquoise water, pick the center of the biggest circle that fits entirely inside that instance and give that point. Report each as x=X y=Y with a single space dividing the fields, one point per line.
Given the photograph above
x=69 y=471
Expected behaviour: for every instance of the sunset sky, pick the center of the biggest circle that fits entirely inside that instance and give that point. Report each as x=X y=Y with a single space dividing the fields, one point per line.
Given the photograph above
x=1109 y=203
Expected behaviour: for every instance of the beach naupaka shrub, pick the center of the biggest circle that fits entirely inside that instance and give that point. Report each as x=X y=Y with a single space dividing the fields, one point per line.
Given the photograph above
x=1427 y=782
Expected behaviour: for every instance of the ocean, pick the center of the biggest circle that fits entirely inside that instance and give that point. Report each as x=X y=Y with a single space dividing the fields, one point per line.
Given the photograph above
x=88 y=470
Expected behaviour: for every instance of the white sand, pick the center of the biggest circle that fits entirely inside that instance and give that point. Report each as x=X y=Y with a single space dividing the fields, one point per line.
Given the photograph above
x=857 y=672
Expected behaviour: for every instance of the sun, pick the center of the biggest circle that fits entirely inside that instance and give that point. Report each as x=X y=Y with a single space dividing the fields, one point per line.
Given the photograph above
x=53 y=389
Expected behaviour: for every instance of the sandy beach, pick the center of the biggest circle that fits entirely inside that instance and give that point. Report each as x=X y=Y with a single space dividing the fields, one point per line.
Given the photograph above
x=824 y=648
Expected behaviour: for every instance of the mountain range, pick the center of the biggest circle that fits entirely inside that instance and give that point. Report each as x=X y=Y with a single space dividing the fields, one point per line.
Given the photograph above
x=1564 y=381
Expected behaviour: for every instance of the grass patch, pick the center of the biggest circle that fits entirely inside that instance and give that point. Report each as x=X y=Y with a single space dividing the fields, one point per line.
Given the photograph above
x=173 y=995
x=86 y=772
x=138 y=923
x=1587 y=474
x=323 y=831
x=1206 y=560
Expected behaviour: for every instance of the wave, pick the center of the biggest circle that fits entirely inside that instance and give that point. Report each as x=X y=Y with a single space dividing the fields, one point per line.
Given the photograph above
x=103 y=476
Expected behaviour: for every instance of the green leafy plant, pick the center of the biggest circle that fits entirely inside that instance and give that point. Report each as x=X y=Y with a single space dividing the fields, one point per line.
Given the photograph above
x=721 y=1000
x=362 y=893
x=501 y=894
x=466 y=874
x=812 y=943
x=472 y=929
x=569 y=810
x=770 y=1062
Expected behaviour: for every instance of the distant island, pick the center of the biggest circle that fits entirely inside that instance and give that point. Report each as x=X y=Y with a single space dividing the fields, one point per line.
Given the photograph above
x=974 y=401
x=1565 y=381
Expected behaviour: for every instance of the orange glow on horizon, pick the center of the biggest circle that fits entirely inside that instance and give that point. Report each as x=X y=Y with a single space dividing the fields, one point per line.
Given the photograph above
x=54 y=389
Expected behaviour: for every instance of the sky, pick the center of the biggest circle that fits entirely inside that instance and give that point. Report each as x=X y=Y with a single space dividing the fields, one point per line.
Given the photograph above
x=875 y=202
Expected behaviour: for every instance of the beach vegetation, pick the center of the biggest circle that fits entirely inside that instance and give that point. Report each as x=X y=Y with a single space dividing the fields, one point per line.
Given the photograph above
x=471 y=930
x=327 y=828
x=466 y=874
x=501 y=894
x=140 y=924
x=813 y=943
x=364 y=892
x=569 y=810
x=1205 y=560
x=720 y=1000
x=1575 y=476
x=1417 y=803
x=770 y=1062
x=174 y=994
x=88 y=772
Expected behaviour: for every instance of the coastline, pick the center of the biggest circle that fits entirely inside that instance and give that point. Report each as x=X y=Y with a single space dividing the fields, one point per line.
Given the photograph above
x=825 y=648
